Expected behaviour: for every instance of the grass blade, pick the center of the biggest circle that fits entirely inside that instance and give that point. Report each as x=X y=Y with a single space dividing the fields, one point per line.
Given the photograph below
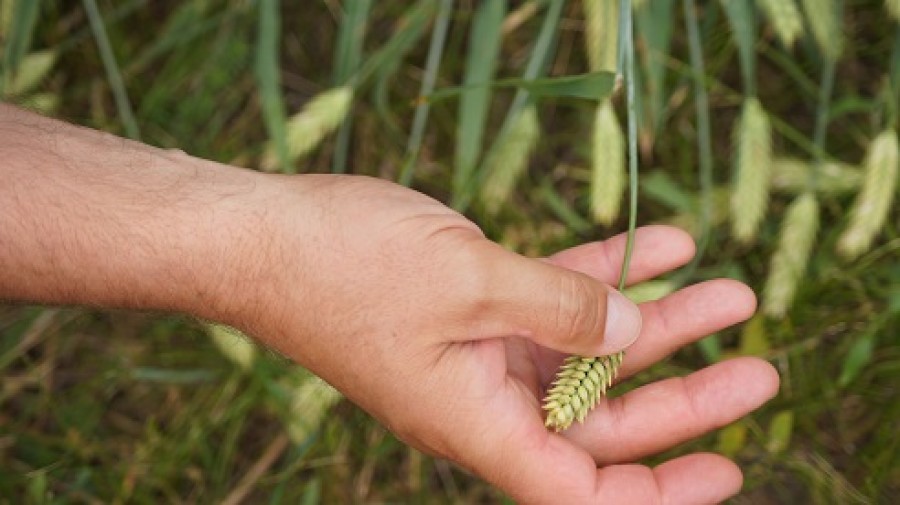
x=741 y=17
x=704 y=132
x=435 y=51
x=348 y=54
x=537 y=62
x=408 y=31
x=348 y=51
x=268 y=77
x=123 y=104
x=592 y=86
x=654 y=23
x=24 y=16
x=474 y=103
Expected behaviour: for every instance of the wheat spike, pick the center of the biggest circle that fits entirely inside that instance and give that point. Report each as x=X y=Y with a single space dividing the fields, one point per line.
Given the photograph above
x=791 y=175
x=579 y=385
x=753 y=166
x=825 y=26
x=873 y=203
x=893 y=7
x=601 y=33
x=306 y=129
x=785 y=18
x=798 y=232
x=608 y=165
x=233 y=344
x=508 y=159
x=308 y=404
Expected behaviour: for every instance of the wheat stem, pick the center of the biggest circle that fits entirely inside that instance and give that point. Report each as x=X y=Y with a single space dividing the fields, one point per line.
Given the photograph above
x=435 y=51
x=581 y=381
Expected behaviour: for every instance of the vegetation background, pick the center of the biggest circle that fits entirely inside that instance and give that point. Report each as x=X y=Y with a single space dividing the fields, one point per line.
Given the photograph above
x=781 y=159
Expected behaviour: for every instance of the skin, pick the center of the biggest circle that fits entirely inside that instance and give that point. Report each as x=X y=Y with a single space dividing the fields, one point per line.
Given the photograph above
x=393 y=298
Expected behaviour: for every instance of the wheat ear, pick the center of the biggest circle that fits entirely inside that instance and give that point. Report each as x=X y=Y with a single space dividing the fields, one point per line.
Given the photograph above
x=750 y=198
x=508 y=159
x=798 y=233
x=233 y=344
x=608 y=143
x=873 y=203
x=825 y=26
x=608 y=165
x=792 y=175
x=893 y=7
x=306 y=129
x=579 y=383
x=785 y=18
x=601 y=34
x=308 y=404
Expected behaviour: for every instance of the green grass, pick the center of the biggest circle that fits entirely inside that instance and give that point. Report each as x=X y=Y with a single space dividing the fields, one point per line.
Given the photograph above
x=99 y=407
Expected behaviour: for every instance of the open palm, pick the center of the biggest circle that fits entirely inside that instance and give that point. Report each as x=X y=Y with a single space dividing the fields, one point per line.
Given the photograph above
x=547 y=467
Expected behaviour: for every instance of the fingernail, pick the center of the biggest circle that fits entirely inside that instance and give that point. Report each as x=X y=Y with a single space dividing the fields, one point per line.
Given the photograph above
x=623 y=323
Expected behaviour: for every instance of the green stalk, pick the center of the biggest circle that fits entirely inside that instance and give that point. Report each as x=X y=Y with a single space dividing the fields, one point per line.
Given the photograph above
x=581 y=381
x=822 y=111
x=540 y=56
x=347 y=56
x=268 y=78
x=704 y=142
x=433 y=62
x=123 y=104
x=628 y=35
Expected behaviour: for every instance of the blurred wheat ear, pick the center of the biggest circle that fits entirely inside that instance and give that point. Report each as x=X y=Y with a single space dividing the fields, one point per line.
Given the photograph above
x=825 y=25
x=309 y=402
x=893 y=7
x=753 y=166
x=233 y=344
x=873 y=203
x=608 y=142
x=608 y=172
x=785 y=18
x=507 y=161
x=306 y=129
x=792 y=175
x=798 y=233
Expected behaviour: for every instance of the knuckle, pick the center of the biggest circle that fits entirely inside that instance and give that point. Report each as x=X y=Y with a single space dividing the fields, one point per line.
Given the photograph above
x=577 y=310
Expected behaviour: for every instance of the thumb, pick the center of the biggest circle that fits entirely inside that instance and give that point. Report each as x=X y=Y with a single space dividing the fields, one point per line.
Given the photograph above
x=561 y=309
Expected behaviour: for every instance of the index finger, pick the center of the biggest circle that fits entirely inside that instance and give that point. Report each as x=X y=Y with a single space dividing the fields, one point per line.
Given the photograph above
x=657 y=249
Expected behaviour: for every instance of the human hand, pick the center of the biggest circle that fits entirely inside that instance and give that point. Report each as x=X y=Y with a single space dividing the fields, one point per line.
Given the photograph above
x=451 y=341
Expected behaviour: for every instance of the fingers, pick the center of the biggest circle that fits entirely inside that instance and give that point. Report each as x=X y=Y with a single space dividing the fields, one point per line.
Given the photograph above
x=657 y=249
x=660 y=415
x=538 y=467
x=685 y=316
x=555 y=307
x=692 y=479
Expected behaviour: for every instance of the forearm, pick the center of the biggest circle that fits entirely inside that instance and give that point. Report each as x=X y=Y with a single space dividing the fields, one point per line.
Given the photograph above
x=91 y=219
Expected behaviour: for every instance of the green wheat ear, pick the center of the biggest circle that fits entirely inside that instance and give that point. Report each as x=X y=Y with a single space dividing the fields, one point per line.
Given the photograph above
x=579 y=384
